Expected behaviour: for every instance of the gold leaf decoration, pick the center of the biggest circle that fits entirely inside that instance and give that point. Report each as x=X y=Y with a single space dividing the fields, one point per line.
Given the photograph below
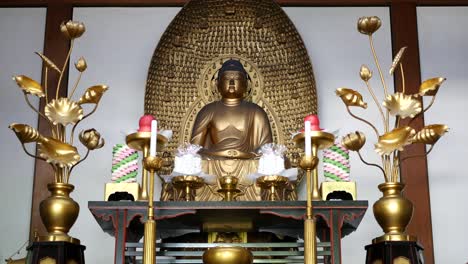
x=25 y=133
x=403 y=105
x=396 y=139
x=91 y=139
x=63 y=111
x=81 y=65
x=93 y=94
x=397 y=60
x=365 y=73
x=430 y=134
x=351 y=97
x=431 y=85
x=29 y=85
x=57 y=152
x=368 y=25
x=354 y=141
x=72 y=29
x=48 y=62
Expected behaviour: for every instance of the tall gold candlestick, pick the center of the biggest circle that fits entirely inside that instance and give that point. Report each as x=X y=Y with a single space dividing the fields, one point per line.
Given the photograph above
x=309 y=163
x=140 y=141
x=319 y=140
x=151 y=164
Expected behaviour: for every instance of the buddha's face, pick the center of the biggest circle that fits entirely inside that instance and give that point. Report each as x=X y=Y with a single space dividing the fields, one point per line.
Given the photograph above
x=232 y=85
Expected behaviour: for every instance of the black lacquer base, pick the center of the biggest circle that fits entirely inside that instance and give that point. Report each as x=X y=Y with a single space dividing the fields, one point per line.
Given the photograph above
x=60 y=252
x=392 y=252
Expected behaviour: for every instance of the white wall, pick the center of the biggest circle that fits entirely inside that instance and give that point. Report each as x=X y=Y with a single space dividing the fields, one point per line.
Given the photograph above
x=22 y=33
x=118 y=46
x=337 y=51
x=443 y=46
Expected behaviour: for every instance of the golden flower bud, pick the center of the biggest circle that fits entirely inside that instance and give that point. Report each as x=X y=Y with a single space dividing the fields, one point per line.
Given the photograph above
x=368 y=25
x=81 y=65
x=354 y=141
x=91 y=139
x=72 y=29
x=365 y=73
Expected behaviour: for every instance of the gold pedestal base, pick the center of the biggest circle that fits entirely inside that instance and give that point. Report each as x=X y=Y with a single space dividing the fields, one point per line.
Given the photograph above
x=58 y=238
x=394 y=237
x=132 y=188
x=330 y=187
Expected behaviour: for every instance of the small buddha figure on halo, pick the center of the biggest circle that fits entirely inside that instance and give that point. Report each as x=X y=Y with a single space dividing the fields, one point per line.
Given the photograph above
x=231 y=131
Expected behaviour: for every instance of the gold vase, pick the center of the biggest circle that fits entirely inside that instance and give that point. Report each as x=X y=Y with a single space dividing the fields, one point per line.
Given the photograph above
x=59 y=212
x=393 y=212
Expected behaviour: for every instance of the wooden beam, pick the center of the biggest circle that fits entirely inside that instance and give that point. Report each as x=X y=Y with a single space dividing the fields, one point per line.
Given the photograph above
x=55 y=48
x=155 y=3
x=414 y=172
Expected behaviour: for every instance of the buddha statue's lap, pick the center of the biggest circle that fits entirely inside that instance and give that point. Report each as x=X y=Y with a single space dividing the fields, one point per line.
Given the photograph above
x=225 y=167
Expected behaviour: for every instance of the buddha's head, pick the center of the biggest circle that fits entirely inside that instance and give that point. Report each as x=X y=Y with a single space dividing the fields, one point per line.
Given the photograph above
x=232 y=80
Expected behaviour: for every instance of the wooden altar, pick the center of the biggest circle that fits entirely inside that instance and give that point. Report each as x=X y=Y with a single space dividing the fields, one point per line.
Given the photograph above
x=124 y=221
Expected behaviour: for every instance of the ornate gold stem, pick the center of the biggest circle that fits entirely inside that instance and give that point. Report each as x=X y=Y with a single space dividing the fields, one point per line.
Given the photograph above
x=371 y=91
x=372 y=164
x=425 y=109
x=63 y=69
x=31 y=155
x=72 y=134
x=86 y=156
x=46 y=73
x=37 y=111
x=75 y=86
x=403 y=83
x=395 y=166
x=371 y=41
x=418 y=156
x=388 y=167
x=363 y=120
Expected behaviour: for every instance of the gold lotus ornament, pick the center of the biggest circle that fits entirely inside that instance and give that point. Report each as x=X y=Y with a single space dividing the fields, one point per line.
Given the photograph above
x=368 y=25
x=91 y=139
x=354 y=141
x=72 y=29
x=431 y=85
x=396 y=139
x=93 y=94
x=351 y=97
x=81 y=65
x=430 y=134
x=63 y=111
x=58 y=153
x=393 y=212
x=25 y=133
x=29 y=85
x=59 y=211
x=402 y=105
x=365 y=73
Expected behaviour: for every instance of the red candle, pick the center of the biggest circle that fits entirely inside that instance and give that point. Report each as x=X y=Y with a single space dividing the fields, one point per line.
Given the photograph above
x=314 y=122
x=145 y=123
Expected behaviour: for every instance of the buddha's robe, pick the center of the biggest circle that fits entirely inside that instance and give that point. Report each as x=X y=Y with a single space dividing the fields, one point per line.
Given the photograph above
x=228 y=133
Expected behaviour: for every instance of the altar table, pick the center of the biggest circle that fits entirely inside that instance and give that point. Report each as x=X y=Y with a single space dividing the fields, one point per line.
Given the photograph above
x=124 y=220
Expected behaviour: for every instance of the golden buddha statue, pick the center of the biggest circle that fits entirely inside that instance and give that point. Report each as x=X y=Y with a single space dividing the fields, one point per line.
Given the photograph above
x=230 y=131
x=232 y=127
